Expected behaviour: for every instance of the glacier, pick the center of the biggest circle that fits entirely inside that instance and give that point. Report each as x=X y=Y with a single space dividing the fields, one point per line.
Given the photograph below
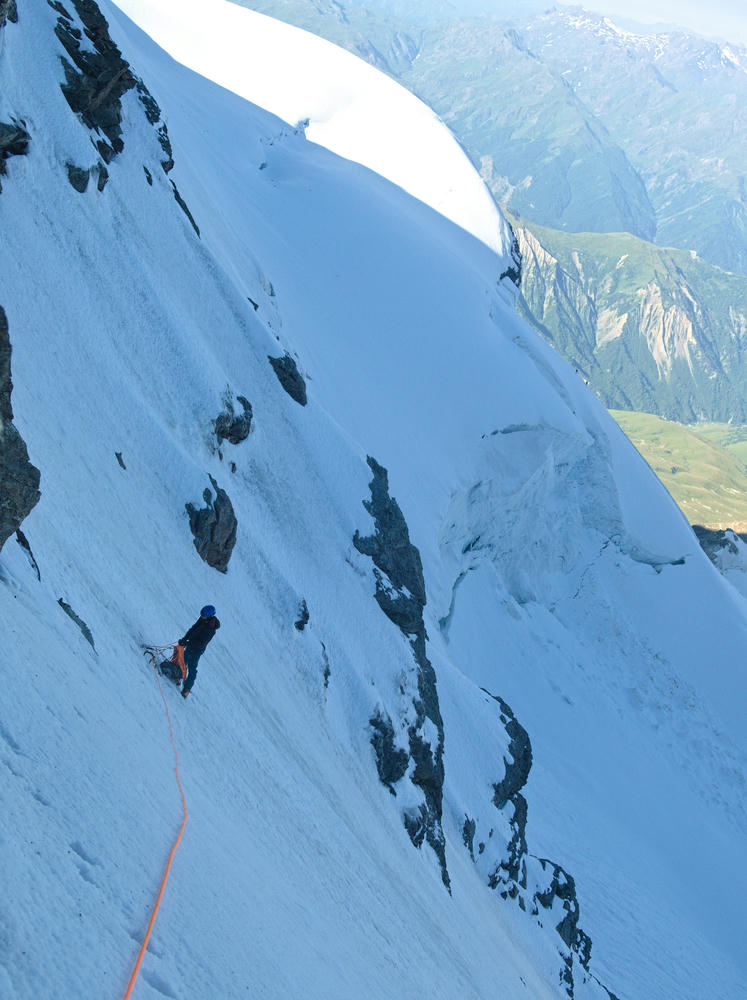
x=513 y=724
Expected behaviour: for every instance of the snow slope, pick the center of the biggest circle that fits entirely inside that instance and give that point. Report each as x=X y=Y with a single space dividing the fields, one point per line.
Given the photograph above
x=559 y=577
x=350 y=107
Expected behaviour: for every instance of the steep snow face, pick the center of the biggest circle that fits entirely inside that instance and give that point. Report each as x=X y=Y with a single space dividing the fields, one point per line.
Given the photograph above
x=345 y=104
x=516 y=658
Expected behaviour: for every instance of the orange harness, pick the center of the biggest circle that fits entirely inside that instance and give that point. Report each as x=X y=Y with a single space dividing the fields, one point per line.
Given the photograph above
x=178 y=658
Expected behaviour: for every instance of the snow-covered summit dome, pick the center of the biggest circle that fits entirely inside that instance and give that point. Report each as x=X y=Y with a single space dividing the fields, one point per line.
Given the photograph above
x=351 y=108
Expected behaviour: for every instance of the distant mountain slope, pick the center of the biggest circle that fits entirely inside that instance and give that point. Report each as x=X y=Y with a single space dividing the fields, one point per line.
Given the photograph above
x=708 y=481
x=505 y=106
x=675 y=103
x=538 y=146
x=652 y=329
x=384 y=40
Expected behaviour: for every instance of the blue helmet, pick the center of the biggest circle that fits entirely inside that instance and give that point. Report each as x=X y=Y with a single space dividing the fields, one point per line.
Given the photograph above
x=208 y=611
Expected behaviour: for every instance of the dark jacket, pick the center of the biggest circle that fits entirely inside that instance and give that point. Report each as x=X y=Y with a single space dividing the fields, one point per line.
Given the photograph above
x=201 y=633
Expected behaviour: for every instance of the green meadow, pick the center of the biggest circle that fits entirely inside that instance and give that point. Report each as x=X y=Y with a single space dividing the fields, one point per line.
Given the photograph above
x=703 y=466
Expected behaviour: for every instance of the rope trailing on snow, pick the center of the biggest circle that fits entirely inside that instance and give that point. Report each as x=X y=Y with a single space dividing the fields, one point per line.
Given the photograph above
x=151 y=652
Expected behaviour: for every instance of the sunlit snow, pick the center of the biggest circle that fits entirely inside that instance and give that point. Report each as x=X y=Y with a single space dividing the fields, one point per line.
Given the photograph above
x=351 y=107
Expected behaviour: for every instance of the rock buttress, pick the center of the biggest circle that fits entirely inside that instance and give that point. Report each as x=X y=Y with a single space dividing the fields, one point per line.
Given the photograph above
x=400 y=593
x=19 y=479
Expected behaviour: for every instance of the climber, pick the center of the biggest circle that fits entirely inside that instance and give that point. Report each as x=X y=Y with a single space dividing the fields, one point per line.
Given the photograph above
x=195 y=641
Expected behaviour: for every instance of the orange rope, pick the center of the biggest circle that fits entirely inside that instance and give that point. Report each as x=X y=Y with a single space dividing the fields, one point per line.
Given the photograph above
x=141 y=953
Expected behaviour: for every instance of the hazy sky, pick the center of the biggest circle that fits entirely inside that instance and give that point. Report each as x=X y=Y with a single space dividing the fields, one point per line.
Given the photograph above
x=726 y=19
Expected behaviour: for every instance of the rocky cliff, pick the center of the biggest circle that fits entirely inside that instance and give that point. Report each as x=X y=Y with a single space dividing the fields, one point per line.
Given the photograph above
x=654 y=330
x=19 y=479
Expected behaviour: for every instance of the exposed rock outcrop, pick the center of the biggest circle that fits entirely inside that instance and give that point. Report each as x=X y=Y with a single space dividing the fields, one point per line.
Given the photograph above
x=184 y=207
x=154 y=116
x=391 y=761
x=513 y=271
x=78 y=177
x=400 y=593
x=8 y=12
x=714 y=543
x=24 y=543
x=540 y=887
x=233 y=427
x=96 y=79
x=85 y=630
x=303 y=617
x=14 y=140
x=214 y=528
x=727 y=550
x=289 y=377
x=96 y=75
x=520 y=749
x=19 y=479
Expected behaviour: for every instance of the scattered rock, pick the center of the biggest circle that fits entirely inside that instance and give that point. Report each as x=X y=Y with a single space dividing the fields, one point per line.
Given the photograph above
x=78 y=621
x=8 y=12
x=78 y=177
x=19 y=479
x=183 y=206
x=24 y=543
x=289 y=377
x=416 y=824
x=303 y=617
x=468 y=836
x=232 y=427
x=391 y=761
x=327 y=669
x=103 y=175
x=154 y=116
x=14 y=140
x=214 y=528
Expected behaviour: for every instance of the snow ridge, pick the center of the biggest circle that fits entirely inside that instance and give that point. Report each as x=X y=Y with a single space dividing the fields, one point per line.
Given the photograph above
x=340 y=101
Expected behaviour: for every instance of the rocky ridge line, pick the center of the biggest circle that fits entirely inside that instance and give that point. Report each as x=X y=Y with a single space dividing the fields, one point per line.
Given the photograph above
x=96 y=80
x=400 y=593
x=540 y=887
